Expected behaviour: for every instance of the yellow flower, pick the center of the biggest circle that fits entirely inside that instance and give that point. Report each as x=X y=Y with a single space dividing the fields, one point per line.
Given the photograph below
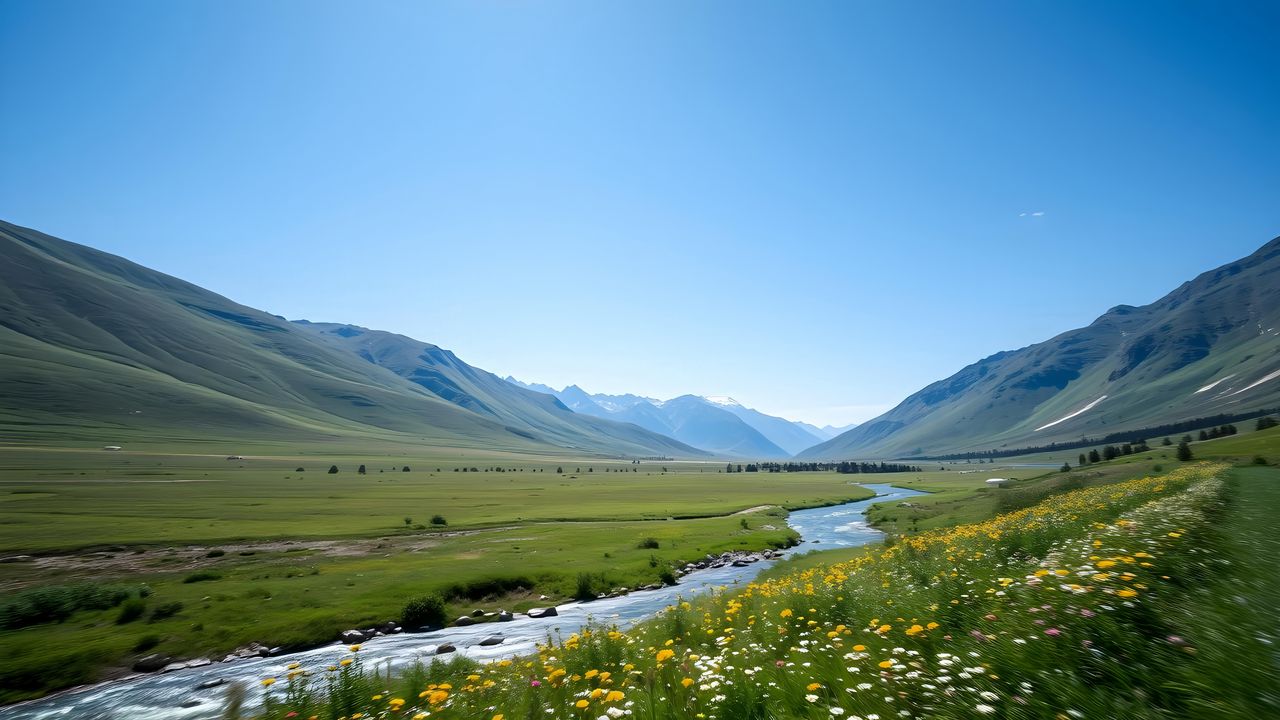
x=786 y=613
x=886 y=664
x=859 y=648
x=812 y=686
x=354 y=648
x=686 y=682
x=665 y=654
x=581 y=704
x=1126 y=593
x=614 y=696
x=268 y=682
x=345 y=662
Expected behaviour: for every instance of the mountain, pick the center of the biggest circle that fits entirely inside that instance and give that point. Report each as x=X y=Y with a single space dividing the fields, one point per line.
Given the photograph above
x=94 y=347
x=1211 y=346
x=717 y=424
x=831 y=431
x=790 y=436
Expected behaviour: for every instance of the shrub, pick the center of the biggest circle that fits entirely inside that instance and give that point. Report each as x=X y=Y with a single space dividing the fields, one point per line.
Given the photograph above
x=424 y=611
x=202 y=576
x=587 y=586
x=333 y=469
x=648 y=544
x=131 y=610
x=55 y=603
x=215 y=553
x=146 y=642
x=1259 y=460
x=667 y=576
x=438 y=520
x=165 y=611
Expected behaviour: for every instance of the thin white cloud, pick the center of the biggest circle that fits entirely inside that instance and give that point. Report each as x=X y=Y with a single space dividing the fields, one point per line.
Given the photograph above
x=1037 y=213
x=1034 y=213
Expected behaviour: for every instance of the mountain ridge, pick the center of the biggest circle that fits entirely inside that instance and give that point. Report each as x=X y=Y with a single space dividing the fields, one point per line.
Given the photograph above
x=1132 y=367
x=93 y=344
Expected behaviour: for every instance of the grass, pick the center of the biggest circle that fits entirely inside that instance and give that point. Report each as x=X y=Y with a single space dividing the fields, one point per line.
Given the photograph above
x=1117 y=600
x=69 y=499
x=253 y=551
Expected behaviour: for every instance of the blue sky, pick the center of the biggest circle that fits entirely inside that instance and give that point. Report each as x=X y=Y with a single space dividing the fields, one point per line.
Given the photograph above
x=816 y=208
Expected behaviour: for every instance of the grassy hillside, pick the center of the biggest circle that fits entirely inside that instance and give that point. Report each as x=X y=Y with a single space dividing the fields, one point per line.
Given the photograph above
x=94 y=347
x=1209 y=347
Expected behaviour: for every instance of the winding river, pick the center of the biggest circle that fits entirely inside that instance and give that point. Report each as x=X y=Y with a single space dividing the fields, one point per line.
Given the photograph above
x=154 y=696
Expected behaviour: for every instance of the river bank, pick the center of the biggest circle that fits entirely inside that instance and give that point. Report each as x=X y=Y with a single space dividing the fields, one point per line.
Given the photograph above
x=163 y=695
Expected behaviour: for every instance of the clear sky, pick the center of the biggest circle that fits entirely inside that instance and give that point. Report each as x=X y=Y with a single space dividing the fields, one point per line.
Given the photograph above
x=814 y=207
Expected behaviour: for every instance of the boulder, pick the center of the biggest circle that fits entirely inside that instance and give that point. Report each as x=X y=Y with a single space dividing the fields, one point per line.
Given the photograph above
x=543 y=612
x=491 y=641
x=351 y=637
x=446 y=648
x=190 y=703
x=464 y=621
x=477 y=613
x=173 y=666
x=210 y=684
x=199 y=662
x=504 y=616
x=152 y=663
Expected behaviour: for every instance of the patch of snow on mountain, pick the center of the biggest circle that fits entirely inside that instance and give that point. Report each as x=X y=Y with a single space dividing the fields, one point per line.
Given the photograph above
x=1214 y=384
x=1271 y=376
x=721 y=400
x=1065 y=418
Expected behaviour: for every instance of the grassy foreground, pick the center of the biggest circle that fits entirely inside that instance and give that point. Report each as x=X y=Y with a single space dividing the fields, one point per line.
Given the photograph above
x=1107 y=601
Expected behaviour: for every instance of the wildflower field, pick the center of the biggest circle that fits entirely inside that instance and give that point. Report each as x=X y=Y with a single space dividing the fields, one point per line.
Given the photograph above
x=1077 y=607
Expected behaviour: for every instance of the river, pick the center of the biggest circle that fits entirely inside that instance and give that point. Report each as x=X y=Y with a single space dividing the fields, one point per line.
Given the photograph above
x=155 y=696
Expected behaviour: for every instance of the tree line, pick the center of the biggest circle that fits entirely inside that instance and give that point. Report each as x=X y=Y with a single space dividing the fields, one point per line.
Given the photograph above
x=1126 y=436
x=846 y=467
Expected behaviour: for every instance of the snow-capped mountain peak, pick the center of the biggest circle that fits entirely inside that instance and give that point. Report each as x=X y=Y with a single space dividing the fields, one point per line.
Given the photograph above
x=722 y=400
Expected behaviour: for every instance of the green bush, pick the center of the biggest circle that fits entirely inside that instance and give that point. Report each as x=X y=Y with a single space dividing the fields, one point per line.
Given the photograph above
x=424 y=611
x=589 y=586
x=165 y=611
x=56 y=603
x=648 y=544
x=131 y=610
x=202 y=576
x=146 y=642
x=438 y=520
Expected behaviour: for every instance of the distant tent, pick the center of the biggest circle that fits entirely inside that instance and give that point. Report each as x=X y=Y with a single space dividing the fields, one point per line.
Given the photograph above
x=997 y=482
x=112 y=447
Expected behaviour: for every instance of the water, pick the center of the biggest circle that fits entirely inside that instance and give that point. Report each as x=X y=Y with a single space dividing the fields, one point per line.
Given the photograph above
x=161 y=696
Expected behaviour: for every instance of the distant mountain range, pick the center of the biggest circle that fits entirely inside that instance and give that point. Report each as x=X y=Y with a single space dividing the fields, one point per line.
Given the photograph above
x=1211 y=346
x=718 y=424
x=93 y=346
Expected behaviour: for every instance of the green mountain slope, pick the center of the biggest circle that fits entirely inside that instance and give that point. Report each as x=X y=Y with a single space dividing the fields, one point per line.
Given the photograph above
x=441 y=373
x=1211 y=346
x=94 y=347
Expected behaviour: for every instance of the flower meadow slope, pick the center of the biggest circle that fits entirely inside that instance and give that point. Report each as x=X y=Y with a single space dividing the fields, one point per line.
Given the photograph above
x=1060 y=610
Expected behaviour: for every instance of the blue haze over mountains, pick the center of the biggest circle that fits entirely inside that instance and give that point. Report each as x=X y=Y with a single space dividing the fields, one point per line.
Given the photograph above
x=718 y=424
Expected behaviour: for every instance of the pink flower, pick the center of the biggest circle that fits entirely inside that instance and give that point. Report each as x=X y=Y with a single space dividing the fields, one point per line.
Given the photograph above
x=1053 y=632
x=535 y=683
x=780 y=663
x=990 y=617
x=1086 y=612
